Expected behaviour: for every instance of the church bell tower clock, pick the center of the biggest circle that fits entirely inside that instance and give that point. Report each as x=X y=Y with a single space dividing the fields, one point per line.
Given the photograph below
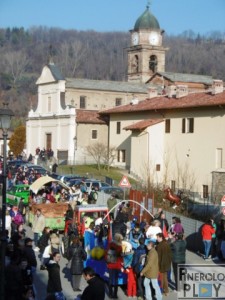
x=146 y=55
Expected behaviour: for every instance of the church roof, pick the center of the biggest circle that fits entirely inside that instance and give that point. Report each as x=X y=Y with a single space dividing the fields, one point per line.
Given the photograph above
x=192 y=100
x=146 y=21
x=113 y=86
x=182 y=77
x=90 y=117
x=55 y=71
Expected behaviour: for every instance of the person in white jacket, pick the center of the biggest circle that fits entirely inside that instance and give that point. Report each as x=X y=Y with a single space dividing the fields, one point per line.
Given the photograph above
x=153 y=230
x=38 y=227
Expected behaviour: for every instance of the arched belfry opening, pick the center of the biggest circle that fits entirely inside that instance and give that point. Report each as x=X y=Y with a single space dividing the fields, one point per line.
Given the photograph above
x=153 y=62
x=135 y=64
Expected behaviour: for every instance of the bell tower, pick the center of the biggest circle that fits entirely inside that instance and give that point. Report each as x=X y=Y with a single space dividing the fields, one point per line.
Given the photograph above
x=146 y=55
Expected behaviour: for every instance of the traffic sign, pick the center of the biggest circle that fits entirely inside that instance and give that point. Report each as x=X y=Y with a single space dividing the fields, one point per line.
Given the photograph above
x=125 y=182
x=223 y=201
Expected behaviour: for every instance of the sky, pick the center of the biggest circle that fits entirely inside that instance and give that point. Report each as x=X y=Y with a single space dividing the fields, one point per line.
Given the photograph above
x=174 y=16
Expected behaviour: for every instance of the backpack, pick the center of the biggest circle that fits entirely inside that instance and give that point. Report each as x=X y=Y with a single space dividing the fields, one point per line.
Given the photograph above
x=140 y=264
x=111 y=256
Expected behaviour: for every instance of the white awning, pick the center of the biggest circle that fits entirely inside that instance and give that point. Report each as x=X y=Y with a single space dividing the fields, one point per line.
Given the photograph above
x=40 y=182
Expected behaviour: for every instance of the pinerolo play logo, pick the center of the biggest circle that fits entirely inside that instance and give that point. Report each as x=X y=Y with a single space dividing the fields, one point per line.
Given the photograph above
x=201 y=281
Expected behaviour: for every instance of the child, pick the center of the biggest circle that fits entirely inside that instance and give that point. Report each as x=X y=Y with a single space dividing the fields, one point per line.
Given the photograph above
x=126 y=268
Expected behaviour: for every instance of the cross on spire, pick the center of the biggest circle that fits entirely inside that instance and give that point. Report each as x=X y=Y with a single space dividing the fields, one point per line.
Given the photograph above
x=148 y=3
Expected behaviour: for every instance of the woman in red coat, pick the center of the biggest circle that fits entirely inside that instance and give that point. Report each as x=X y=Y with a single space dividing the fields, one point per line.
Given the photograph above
x=114 y=263
x=207 y=231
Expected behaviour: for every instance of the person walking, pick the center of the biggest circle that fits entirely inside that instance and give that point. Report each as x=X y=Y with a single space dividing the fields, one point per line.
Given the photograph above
x=38 y=227
x=29 y=253
x=22 y=209
x=111 y=203
x=165 y=259
x=54 y=286
x=76 y=254
x=114 y=263
x=138 y=264
x=150 y=272
x=128 y=269
x=178 y=227
x=214 y=242
x=178 y=248
x=207 y=231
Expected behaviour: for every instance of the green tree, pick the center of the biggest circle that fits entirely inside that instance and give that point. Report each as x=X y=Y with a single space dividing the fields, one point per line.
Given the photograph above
x=18 y=140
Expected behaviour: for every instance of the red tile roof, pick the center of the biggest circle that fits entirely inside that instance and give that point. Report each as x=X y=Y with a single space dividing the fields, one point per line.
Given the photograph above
x=141 y=125
x=163 y=102
x=90 y=117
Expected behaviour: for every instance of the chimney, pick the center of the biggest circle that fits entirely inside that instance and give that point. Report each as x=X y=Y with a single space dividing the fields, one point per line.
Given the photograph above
x=152 y=92
x=217 y=86
x=171 y=91
x=182 y=91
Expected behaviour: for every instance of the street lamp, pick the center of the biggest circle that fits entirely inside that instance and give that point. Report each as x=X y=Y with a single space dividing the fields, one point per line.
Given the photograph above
x=5 y=120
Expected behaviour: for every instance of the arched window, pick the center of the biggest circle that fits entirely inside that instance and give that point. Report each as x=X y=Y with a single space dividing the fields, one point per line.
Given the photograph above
x=153 y=63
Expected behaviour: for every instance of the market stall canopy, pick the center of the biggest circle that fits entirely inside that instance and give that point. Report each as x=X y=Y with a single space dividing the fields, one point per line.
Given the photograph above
x=38 y=184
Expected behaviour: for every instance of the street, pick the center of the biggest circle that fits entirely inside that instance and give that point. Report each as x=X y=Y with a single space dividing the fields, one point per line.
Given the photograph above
x=41 y=277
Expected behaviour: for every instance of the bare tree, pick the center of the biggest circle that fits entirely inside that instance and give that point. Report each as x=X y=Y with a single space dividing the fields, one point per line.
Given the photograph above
x=15 y=63
x=109 y=156
x=71 y=56
x=97 y=151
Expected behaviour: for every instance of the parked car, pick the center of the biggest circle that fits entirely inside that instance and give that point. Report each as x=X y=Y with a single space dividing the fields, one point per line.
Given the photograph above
x=37 y=168
x=74 y=182
x=66 y=178
x=90 y=183
x=116 y=191
x=16 y=192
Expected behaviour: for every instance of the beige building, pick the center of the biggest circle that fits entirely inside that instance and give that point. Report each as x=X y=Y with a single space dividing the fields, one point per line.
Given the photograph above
x=175 y=139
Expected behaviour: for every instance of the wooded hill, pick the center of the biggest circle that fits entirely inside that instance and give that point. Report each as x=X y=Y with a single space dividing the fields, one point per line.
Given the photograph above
x=92 y=55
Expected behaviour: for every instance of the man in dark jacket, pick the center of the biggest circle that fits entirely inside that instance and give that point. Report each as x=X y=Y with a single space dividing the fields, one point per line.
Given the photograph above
x=96 y=286
x=54 y=282
x=178 y=248
x=165 y=259
x=138 y=266
x=29 y=253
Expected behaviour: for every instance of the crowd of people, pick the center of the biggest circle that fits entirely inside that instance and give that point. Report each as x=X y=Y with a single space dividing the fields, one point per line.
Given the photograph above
x=147 y=253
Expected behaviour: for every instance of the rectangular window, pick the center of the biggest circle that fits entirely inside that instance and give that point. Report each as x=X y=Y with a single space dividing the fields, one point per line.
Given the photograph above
x=219 y=155
x=183 y=126
x=167 y=126
x=121 y=155
x=62 y=98
x=188 y=125
x=173 y=185
x=82 y=102
x=118 y=127
x=205 y=191
x=118 y=101
x=158 y=167
x=94 y=134
x=48 y=141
